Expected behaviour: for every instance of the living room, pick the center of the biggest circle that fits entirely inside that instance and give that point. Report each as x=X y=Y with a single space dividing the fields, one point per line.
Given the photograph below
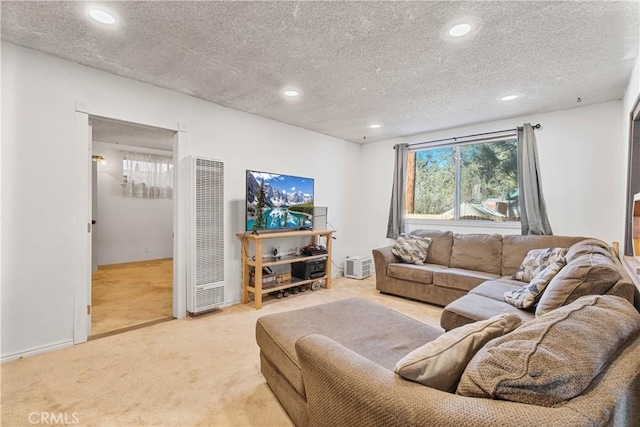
x=583 y=159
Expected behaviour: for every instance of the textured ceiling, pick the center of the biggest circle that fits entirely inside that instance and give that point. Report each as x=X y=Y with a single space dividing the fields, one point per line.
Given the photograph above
x=121 y=133
x=356 y=63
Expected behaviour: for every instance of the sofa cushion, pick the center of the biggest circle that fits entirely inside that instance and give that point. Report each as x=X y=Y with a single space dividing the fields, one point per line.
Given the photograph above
x=413 y=273
x=587 y=246
x=411 y=249
x=537 y=260
x=509 y=280
x=592 y=274
x=461 y=279
x=479 y=252
x=555 y=357
x=528 y=295
x=472 y=307
x=495 y=289
x=515 y=247
x=440 y=363
x=440 y=248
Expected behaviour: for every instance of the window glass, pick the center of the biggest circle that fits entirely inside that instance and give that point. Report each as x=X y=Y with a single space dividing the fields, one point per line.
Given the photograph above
x=147 y=175
x=435 y=183
x=489 y=181
x=475 y=181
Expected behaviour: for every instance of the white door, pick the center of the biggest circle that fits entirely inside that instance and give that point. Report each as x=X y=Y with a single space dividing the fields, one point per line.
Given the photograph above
x=94 y=214
x=82 y=229
x=93 y=179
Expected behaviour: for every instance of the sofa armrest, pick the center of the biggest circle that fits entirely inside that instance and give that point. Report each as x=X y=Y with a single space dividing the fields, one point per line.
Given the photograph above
x=346 y=389
x=382 y=257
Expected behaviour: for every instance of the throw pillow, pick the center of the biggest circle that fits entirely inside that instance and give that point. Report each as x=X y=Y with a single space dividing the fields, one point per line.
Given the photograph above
x=592 y=274
x=588 y=246
x=537 y=260
x=411 y=249
x=529 y=295
x=555 y=357
x=440 y=363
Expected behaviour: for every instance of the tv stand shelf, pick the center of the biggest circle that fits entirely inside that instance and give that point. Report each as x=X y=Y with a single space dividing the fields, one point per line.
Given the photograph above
x=287 y=259
x=258 y=262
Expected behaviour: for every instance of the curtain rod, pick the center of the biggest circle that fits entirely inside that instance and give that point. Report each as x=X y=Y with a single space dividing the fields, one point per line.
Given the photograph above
x=536 y=126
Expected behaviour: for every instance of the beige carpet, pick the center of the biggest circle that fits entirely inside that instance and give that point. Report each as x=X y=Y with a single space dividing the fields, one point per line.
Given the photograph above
x=200 y=371
x=127 y=295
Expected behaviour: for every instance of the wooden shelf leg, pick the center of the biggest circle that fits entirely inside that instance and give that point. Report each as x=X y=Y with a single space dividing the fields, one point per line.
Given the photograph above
x=257 y=296
x=245 y=270
x=327 y=265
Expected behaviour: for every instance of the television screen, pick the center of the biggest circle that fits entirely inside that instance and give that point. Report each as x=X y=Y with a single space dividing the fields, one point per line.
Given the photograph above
x=278 y=202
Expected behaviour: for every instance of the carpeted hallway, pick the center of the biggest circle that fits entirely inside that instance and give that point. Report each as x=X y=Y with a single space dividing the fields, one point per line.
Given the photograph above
x=200 y=371
x=132 y=294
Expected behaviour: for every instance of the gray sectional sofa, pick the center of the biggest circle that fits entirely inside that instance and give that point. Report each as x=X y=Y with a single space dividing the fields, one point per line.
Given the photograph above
x=356 y=363
x=469 y=273
x=333 y=365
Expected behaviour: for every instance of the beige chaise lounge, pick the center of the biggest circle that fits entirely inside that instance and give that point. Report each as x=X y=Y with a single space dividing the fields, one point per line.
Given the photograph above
x=333 y=365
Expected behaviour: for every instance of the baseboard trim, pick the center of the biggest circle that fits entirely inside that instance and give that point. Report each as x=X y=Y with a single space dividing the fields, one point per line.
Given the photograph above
x=133 y=263
x=129 y=328
x=39 y=350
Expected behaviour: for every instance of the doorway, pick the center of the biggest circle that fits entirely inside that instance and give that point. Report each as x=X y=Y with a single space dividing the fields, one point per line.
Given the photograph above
x=133 y=226
x=632 y=224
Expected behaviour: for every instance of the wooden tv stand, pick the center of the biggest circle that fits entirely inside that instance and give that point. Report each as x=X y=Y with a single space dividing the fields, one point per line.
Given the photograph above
x=257 y=262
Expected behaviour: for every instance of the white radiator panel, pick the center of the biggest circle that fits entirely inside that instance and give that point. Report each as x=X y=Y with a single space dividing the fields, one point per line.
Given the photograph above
x=205 y=272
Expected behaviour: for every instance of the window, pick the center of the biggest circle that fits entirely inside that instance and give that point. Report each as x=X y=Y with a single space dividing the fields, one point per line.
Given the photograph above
x=472 y=180
x=147 y=175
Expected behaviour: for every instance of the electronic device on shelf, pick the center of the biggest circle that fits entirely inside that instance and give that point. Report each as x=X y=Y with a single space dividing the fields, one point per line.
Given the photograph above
x=314 y=250
x=309 y=269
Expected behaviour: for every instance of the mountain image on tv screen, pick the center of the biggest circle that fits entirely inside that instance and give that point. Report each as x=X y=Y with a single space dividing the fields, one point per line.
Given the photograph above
x=276 y=201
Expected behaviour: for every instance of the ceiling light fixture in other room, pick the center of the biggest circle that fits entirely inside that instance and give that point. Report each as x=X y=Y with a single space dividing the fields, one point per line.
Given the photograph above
x=375 y=126
x=508 y=98
x=102 y=16
x=291 y=93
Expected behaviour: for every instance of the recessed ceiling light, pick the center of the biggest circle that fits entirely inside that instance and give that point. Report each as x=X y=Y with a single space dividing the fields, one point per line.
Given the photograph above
x=102 y=16
x=508 y=98
x=375 y=126
x=459 y=30
x=291 y=93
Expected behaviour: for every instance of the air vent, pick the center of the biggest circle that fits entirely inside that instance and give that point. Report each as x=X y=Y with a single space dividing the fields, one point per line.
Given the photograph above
x=358 y=267
x=208 y=297
x=205 y=217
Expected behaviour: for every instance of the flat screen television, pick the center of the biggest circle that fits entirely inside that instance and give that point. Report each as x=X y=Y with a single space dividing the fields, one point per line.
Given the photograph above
x=278 y=202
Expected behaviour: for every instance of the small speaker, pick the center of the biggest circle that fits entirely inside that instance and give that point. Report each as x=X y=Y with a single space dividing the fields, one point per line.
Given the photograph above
x=319 y=218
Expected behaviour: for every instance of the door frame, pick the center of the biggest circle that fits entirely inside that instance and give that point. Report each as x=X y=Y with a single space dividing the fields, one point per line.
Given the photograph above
x=633 y=171
x=82 y=219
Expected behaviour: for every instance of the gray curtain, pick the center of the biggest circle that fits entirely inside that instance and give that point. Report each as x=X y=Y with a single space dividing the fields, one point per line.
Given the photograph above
x=395 y=227
x=533 y=212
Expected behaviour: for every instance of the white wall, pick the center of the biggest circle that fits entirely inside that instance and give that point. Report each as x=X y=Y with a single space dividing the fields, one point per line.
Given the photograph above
x=39 y=208
x=582 y=166
x=128 y=229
